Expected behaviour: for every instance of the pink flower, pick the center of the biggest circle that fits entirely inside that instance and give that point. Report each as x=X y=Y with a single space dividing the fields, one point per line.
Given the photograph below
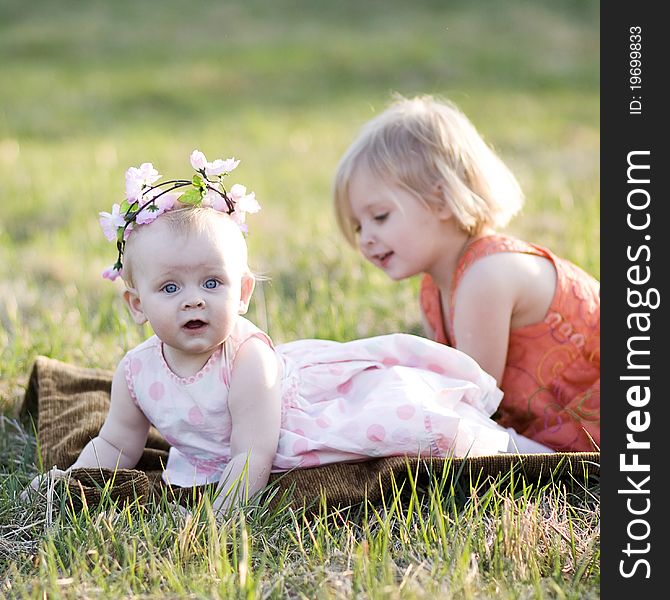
x=244 y=203
x=238 y=191
x=248 y=204
x=214 y=168
x=226 y=166
x=198 y=160
x=137 y=178
x=112 y=273
x=158 y=207
x=147 y=215
x=166 y=201
x=215 y=200
x=110 y=222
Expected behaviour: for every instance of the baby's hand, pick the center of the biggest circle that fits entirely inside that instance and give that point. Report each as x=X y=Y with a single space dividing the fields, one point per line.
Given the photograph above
x=52 y=475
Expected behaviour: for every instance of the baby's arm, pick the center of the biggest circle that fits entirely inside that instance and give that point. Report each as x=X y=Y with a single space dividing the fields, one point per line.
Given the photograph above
x=255 y=408
x=123 y=436
x=120 y=442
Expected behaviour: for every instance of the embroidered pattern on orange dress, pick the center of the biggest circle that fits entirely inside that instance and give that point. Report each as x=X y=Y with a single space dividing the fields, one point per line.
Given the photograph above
x=551 y=380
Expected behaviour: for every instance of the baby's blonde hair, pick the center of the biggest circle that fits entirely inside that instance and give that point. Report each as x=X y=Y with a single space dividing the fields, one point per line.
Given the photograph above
x=426 y=145
x=186 y=219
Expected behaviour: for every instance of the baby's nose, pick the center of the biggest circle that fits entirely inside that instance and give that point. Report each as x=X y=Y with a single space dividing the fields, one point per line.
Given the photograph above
x=195 y=302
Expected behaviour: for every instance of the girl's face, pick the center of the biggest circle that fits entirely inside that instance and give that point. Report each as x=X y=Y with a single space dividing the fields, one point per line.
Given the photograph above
x=191 y=287
x=396 y=232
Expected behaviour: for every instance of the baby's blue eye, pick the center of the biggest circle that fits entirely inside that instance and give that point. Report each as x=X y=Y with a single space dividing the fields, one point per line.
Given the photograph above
x=170 y=288
x=210 y=284
x=381 y=218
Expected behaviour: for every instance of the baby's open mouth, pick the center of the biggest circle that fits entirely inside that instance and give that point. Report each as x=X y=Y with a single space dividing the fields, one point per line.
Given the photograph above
x=194 y=324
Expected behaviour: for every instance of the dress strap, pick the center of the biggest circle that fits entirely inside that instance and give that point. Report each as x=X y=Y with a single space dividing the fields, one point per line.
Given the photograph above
x=492 y=244
x=430 y=301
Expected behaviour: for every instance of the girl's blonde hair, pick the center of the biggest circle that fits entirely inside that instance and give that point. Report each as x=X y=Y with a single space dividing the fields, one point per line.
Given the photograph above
x=428 y=146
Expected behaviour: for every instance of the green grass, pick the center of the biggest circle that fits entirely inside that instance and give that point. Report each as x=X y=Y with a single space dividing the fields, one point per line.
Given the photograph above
x=506 y=540
x=89 y=88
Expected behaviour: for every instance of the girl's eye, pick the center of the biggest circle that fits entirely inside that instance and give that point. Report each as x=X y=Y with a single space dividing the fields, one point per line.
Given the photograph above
x=210 y=284
x=170 y=288
x=381 y=218
x=357 y=228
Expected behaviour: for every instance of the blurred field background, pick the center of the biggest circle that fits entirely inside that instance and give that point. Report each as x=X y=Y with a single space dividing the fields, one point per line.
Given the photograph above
x=90 y=88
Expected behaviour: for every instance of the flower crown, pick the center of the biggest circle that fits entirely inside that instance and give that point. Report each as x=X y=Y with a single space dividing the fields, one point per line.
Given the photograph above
x=145 y=201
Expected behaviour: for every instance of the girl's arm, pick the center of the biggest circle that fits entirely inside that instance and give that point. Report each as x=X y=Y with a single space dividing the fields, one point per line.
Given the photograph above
x=255 y=407
x=499 y=293
x=121 y=440
x=483 y=307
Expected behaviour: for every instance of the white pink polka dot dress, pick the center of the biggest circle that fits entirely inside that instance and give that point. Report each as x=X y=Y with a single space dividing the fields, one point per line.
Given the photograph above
x=390 y=395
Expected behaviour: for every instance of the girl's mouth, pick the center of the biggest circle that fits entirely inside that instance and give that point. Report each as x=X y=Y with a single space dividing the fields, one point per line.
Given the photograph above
x=384 y=258
x=194 y=324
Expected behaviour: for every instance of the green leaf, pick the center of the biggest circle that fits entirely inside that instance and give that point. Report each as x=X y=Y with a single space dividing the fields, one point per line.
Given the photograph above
x=193 y=196
x=198 y=181
x=131 y=215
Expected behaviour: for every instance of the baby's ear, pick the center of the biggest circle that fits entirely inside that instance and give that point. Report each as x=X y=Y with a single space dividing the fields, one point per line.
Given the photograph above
x=134 y=303
x=247 y=289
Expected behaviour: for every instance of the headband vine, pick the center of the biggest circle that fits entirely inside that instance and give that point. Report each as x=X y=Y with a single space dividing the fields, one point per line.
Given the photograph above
x=145 y=201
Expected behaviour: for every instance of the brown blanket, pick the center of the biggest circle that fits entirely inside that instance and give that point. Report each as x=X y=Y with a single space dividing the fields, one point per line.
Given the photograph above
x=69 y=405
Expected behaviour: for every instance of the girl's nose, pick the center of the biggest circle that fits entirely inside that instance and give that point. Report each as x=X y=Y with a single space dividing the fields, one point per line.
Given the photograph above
x=365 y=237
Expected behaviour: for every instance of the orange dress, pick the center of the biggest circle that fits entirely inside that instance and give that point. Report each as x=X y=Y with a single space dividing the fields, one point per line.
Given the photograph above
x=551 y=380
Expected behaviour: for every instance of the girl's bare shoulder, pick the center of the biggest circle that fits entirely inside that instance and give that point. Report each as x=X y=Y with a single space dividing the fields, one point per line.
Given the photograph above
x=527 y=282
